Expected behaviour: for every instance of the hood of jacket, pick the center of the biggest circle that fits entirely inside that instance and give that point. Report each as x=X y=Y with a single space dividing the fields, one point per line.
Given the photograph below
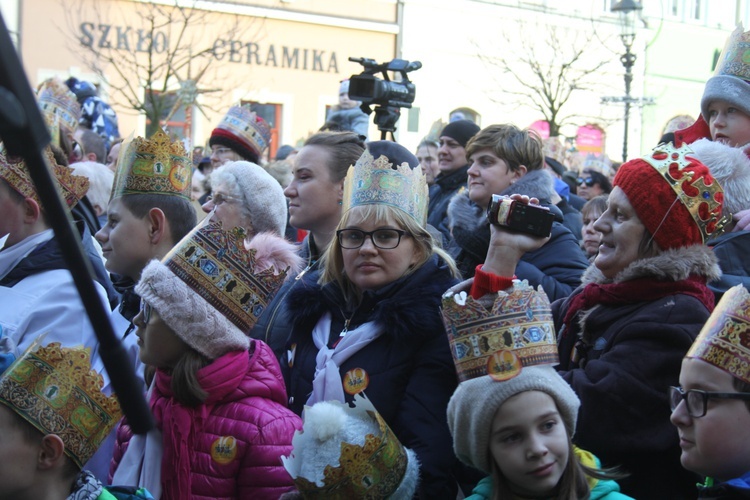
x=671 y=265
x=406 y=308
x=464 y=213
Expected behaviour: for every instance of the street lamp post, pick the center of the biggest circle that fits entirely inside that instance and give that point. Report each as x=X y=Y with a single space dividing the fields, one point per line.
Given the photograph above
x=627 y=10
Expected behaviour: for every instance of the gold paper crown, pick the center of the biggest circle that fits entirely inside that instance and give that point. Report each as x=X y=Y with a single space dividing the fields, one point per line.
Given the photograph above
x=215 y=264
x=703 y=201
x=374 y=182
x=518 y=331
x=14 y=171
x=735 y=58
x=154 y=166
x=55 y=390
x=724 y=340
x=57 y=101
x=372 y=471
x=247 y=127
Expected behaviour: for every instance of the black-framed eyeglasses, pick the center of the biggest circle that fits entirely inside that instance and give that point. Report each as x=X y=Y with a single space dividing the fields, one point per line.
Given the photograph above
x=588 y=181
x=219 y=198
x=697 y=400
x=146 y=310
x=384 y=238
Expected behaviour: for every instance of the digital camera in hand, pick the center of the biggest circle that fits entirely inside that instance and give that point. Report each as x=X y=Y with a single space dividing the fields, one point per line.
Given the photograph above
x=520 y=217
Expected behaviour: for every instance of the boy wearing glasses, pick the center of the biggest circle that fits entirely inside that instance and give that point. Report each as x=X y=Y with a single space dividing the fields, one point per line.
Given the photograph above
x=711 y=408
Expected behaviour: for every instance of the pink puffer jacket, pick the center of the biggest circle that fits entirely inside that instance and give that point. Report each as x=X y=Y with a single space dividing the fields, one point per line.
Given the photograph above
x=237 y=451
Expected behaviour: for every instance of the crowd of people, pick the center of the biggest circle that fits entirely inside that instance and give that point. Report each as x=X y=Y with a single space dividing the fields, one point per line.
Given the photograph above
x=347 y=322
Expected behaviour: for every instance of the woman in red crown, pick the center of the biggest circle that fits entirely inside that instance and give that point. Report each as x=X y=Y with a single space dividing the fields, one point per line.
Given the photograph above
x=622 y=334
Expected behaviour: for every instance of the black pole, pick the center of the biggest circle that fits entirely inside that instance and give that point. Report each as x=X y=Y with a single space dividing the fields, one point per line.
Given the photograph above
x=25 y=134
x=628 y=60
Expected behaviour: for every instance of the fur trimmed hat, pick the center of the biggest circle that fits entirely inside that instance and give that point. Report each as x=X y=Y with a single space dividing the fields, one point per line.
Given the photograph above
x=731 y=167
x=460 y=131
x=674 y=195
x=730 y=89
x=263 y=200
x=344 y=452
x=244 y=132
x=475 y=402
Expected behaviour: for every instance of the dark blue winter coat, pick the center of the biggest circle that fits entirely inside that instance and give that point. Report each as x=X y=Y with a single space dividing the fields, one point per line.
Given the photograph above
x=410 y=370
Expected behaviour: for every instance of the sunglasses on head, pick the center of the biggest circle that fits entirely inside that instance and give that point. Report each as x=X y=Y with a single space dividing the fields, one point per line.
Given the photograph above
x=588 y=181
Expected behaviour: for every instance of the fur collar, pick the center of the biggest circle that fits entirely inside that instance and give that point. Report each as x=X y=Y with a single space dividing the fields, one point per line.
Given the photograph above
x=409 y=313
x=731 y=167
x=276 y=252
x=674 y=265
x=464 y=213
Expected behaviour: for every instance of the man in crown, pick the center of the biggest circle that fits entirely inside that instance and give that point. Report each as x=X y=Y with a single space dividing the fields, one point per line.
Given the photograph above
x=37 y=293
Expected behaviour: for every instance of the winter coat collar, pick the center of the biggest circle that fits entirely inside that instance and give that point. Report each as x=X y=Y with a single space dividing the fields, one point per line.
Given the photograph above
x=671 y=265
x=407 y=307
x=453 y=180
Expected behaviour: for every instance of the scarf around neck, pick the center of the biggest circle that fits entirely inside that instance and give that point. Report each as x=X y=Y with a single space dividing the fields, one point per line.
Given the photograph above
x=181 y=424
x=638 y=290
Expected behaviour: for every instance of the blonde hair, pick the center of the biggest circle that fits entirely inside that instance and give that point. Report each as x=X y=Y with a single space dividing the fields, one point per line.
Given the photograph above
x=425 y=247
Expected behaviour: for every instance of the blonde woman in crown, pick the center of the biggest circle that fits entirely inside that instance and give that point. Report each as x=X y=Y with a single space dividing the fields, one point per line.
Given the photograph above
x=372 y=323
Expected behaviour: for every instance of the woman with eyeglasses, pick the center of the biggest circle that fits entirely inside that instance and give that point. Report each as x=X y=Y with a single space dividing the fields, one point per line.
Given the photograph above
x=622 y=335
x=372 y=322
x=592 y=184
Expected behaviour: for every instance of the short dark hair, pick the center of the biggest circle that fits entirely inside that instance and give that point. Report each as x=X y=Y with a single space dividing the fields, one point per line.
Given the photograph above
x=601 y=179
x=511 y=144
x=32 y=436
x=91 y=142
x=178 y=211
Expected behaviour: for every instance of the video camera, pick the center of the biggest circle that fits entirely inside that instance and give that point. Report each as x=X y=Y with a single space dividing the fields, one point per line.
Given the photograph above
x=387 y=95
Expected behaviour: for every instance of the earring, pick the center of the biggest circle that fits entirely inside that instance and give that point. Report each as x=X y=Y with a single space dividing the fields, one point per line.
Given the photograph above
x=341 y=202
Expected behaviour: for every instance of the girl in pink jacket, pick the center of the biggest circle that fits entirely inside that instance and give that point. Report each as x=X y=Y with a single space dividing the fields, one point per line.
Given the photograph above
x=218 y=398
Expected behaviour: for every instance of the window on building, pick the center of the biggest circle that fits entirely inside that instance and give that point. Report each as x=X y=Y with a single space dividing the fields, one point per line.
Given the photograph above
x=465 y=114
x=174 y=117
x=271 y=113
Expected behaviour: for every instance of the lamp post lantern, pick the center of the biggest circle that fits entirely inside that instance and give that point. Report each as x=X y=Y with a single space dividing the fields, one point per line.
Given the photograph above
x=627 y=10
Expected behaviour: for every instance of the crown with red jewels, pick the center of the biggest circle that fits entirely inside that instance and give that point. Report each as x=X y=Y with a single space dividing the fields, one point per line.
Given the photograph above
x=14 y=171
x=724 y=340
x=377 y=181
x=59 y=103
x=154 y=166
x=702 y=200
x=517 y=331
x=246 y=126
x=215 y=264
x=54 y=389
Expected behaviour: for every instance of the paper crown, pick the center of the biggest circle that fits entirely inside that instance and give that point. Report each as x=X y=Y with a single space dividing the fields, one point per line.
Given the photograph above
x=375 y=469
x=517 y=331
x=703 y=200
x=58 y=103
x=14 y=171
x=735 y=58
x=246 y=127
x=378 y=182
x=215 y=264
x=54 y=389
x=724 y=340
x=153 y=166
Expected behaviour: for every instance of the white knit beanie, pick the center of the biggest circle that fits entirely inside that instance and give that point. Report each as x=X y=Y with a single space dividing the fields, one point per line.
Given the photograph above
x=727 y=88
x=262 y=195
x=731 y=167
x=199 y=324
x=475 y=403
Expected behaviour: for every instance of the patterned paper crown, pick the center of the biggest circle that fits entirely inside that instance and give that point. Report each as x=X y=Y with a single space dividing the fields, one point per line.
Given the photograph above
x=735 y=58
x=724 y=340
x=373 y=182
x=154 y=166
x=247 y=127
x=703 y=201
x=71 y=187
x=54 y=389
x=518 y=331
x=372 y=471
x=58 y=103
x=215 y=264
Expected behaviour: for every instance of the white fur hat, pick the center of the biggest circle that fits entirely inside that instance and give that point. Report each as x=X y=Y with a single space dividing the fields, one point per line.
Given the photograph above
x=731 y=167
x=263 y=199
x=475 y=402
x=329 y=455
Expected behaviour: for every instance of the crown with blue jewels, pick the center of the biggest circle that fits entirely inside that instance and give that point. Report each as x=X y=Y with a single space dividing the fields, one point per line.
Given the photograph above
x=377 y=181
x=703 y=201
x=248 y=127
x=517 y=331
x=215 y=264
